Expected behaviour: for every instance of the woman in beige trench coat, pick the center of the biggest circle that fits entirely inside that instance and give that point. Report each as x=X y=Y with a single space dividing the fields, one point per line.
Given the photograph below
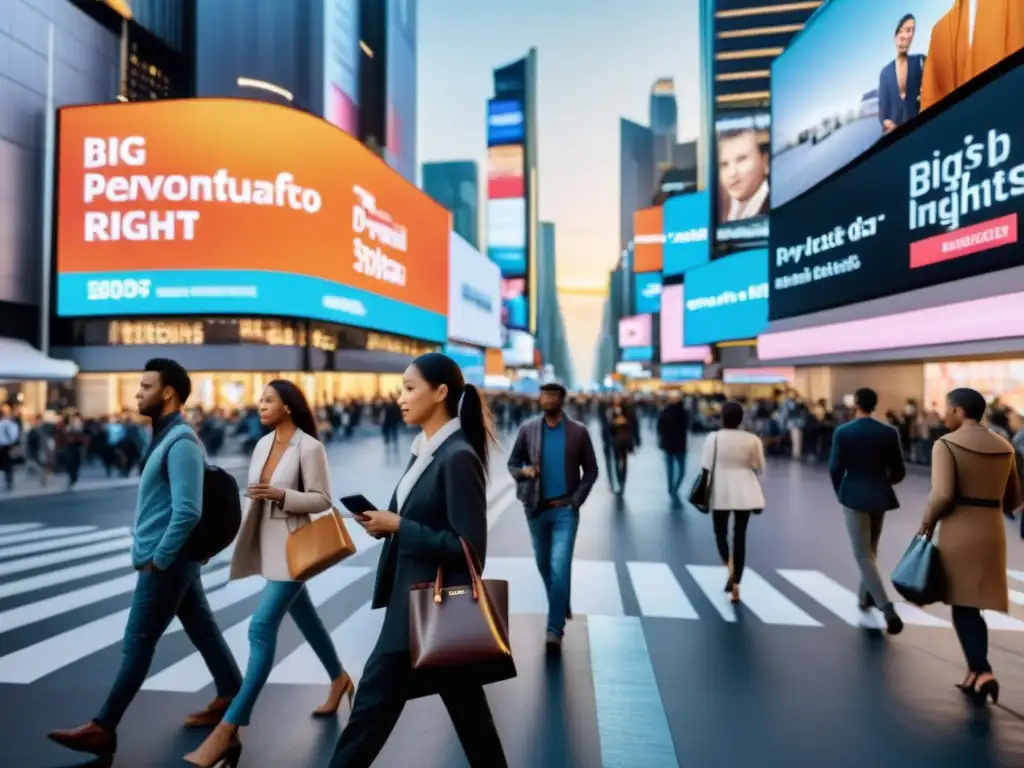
x=289 y=480
x=973 y=484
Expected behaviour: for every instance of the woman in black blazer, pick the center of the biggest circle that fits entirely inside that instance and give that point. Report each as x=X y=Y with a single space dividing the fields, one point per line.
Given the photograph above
x=441 y=497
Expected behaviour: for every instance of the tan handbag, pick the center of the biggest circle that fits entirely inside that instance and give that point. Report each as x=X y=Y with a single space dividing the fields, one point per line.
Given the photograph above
x=314 y=548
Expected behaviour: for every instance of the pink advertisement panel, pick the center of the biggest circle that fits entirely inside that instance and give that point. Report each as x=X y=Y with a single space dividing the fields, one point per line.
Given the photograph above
x=635 y=331
x=995 y=317
x=672 y=348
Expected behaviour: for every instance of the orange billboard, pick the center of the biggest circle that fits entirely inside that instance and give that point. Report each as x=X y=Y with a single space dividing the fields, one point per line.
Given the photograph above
x=215 y=206
x=648 y=240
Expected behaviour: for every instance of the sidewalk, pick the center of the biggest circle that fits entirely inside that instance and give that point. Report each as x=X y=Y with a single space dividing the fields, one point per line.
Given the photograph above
x=93 y=477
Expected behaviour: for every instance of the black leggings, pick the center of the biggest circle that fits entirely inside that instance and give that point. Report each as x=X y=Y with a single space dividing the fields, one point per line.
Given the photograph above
x=720 y=518
x=972 y=631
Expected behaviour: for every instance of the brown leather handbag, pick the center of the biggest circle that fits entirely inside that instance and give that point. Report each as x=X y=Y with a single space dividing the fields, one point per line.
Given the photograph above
x=462 y=629
x=314 y=548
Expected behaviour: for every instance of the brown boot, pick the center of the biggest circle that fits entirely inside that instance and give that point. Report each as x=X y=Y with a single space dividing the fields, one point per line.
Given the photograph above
x=91 y=738
x=211 y=716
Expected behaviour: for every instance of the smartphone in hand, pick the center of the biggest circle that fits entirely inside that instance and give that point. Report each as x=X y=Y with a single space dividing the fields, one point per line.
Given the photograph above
x=357 y=504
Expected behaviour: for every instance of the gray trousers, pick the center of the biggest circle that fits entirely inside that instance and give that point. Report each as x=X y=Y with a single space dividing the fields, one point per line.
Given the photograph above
x=865 y=530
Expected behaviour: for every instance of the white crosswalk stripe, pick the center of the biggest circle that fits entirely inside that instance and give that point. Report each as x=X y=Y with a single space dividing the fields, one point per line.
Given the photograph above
x=658 y=592
x=39 y=534
x=62 y=542
x=6 y=528
x=89 y=573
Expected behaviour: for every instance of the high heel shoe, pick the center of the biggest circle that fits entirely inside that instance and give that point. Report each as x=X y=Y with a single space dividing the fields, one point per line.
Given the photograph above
x=348 y=690
x=967 y=686
x=735 y=596
x=228 y=759
x=988 y=689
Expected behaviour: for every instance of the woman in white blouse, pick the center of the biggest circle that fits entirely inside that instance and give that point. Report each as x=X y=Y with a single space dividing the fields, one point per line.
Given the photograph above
x=289 y=481
x=734 y=458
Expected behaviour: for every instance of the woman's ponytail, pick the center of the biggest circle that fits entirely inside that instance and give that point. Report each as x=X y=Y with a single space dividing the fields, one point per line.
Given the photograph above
x=476 y=422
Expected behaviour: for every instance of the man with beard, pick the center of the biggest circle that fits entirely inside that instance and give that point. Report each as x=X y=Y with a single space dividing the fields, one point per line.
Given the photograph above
x=169 y=507
x=555 y=469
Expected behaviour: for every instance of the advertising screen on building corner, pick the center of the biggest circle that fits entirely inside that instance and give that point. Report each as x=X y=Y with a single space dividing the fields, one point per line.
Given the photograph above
x=225 y=206
x=835 y=91
x=940 y=204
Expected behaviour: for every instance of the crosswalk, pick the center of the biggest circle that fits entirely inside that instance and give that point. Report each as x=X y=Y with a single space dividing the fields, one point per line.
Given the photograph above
x=50 y=575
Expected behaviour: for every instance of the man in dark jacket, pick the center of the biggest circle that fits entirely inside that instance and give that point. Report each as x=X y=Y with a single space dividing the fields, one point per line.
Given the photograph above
x=555 y=468
x=866 y=461
x=673 y=429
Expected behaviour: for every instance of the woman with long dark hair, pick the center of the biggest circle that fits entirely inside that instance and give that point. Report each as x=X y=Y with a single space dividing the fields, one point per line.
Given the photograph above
x=289 y=481
x=441 y=499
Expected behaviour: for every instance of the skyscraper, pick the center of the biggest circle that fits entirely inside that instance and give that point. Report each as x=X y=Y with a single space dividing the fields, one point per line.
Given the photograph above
x=664 y=119
x=456 y=186
x=636 y=175
x=746 y=35
x=551 y=337
x=512 y=227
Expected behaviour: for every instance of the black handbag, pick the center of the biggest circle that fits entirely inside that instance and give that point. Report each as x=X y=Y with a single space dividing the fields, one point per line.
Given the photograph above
x=700 y=492
x=919 y=576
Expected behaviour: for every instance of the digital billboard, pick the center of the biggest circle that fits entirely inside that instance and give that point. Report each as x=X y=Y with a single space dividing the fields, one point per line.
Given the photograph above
x=227 y=206
x=672 y=331
x=993 y=317
x=685 y=221
x=727 y=299
x=648 y=239
x=506 y=235
x=635 y=331
x=506 y=122
x=341 y=64
x=505 y=172
x=837 y=90
x=647 y=293
x=513 y=303
x=470 y=360
x=474 y=295
x=520 y=350
x=742 y=150
x=941 y=204
x=675 y=374
x=636 y=338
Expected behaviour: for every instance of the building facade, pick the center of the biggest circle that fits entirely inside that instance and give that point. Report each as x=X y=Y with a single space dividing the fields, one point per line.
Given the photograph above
x=456 y=186
x=551 y=336
x=664 y=122
x=747 y=35
x=57 y=54
x=636 y=175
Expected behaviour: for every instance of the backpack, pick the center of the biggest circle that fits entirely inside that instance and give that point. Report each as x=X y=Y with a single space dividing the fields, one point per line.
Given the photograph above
x=221 y=509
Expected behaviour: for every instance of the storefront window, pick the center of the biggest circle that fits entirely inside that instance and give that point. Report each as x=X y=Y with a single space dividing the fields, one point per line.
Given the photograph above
x=1003 y=379
x=102 y=394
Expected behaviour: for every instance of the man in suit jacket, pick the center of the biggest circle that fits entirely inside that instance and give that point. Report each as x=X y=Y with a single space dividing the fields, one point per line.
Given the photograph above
x=865 y=463
x=555 y=468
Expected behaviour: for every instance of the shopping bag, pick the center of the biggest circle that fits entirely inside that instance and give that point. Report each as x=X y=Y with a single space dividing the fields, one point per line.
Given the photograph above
x=919 y=577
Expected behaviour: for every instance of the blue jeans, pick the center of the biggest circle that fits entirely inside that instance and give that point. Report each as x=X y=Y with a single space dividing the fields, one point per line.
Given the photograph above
x=159 y=597
x=675 y=466
x=554 y=537
x=279 y=598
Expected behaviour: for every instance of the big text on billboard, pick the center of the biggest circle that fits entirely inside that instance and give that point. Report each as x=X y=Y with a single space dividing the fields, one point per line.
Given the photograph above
x=242 y=188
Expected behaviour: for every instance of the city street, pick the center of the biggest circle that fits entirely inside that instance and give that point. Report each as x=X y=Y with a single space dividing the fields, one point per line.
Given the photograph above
x=658 y=669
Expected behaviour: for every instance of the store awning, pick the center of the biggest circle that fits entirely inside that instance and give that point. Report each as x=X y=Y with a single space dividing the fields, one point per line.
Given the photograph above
x=20 y=361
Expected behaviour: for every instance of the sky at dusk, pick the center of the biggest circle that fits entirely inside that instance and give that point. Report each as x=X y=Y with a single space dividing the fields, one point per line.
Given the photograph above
x=597 y=60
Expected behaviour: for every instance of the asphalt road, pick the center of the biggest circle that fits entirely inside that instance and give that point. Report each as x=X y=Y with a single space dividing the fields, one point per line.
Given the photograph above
x=658 y=669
